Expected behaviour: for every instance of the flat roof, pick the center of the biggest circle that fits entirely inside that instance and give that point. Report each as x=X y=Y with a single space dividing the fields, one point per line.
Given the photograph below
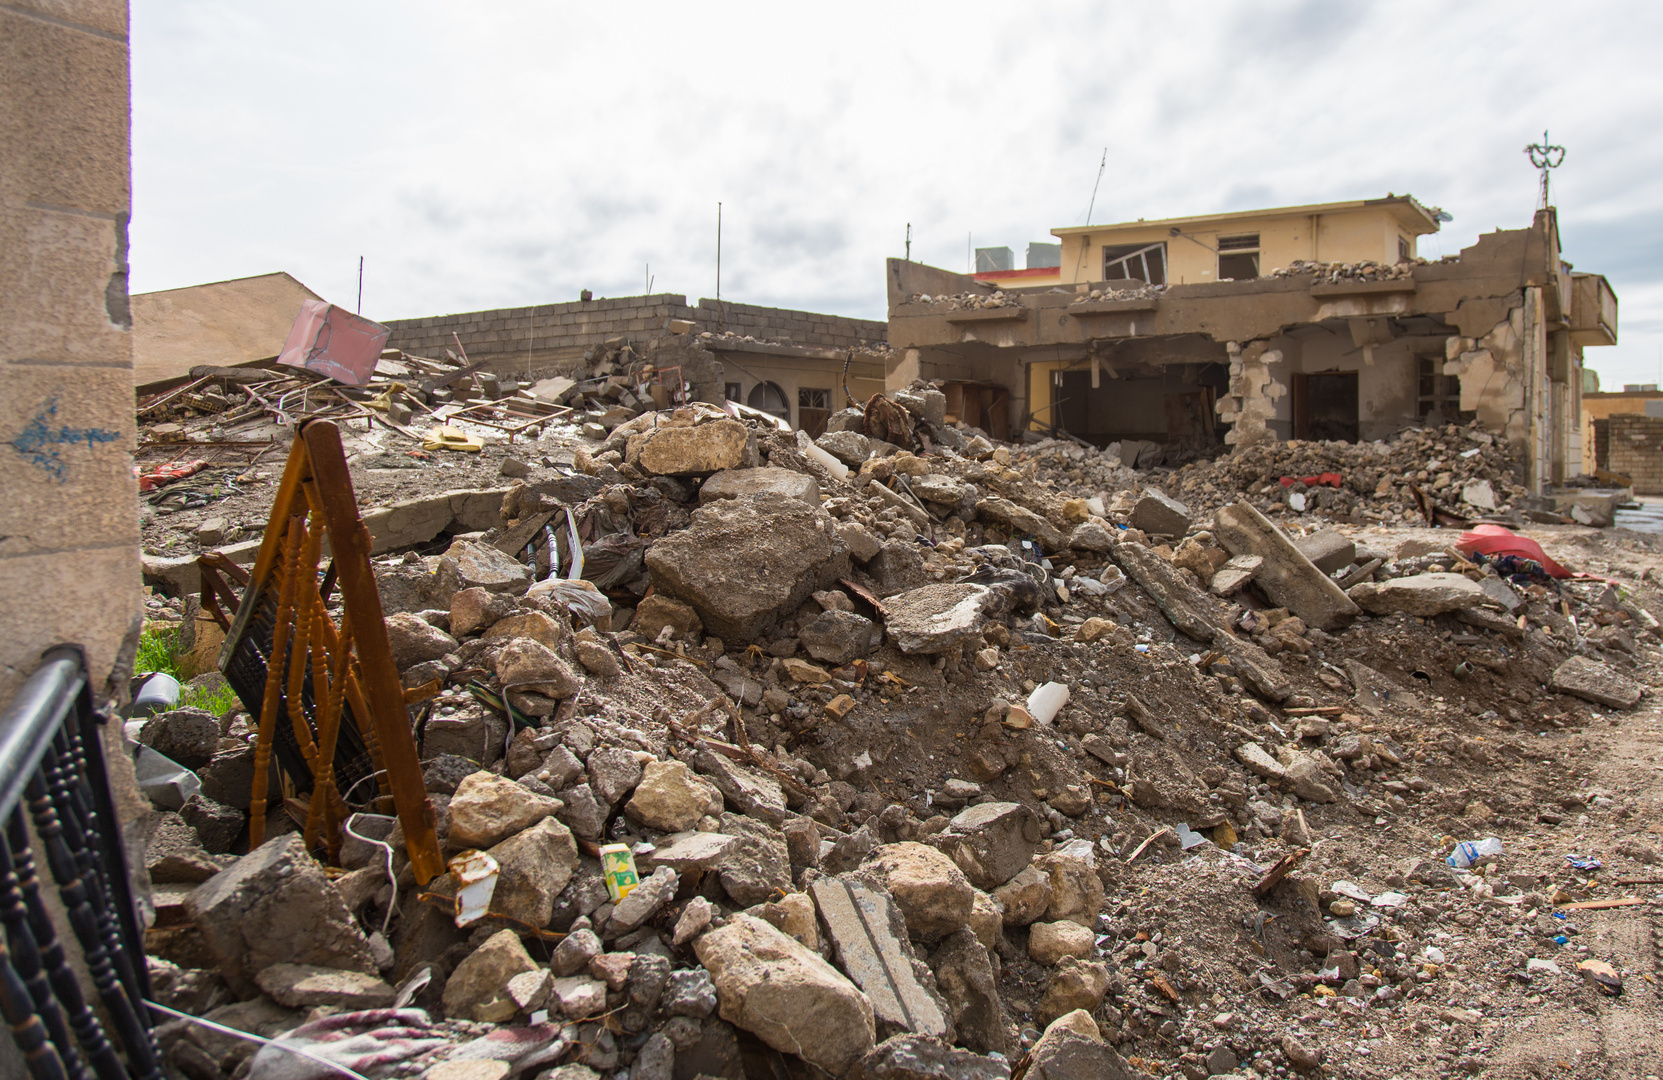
x=1408 y=208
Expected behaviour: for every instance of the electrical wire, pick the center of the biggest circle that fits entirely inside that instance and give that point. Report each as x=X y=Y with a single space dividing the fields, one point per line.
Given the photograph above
x=262 y=1040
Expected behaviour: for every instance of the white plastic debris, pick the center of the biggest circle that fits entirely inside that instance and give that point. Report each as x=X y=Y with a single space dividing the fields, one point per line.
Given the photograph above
x=475 y=874
x=1047 y=701
x=814 y=453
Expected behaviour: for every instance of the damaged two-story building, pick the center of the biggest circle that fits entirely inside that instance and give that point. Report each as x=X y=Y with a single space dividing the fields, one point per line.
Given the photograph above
x=1306 y=322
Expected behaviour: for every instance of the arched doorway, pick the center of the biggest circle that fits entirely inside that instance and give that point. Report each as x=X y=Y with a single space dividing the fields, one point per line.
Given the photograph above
x=769 y=398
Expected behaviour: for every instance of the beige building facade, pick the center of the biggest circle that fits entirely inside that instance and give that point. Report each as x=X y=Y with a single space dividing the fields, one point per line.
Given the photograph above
x=69 y=525
x=1356 y=351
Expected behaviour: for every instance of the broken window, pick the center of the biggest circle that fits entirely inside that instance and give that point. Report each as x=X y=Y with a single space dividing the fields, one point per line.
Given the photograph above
x=1403 y=254
x=813 y=410
x=1440 y=394
x=734 y=391
x=1238 y=257
x=1139 y=262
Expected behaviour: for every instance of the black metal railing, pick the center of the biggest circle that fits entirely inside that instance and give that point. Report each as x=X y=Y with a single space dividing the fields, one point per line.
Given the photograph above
x=55 y=800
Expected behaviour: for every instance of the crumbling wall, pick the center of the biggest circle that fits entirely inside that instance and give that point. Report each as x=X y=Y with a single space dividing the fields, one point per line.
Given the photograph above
x=1634 y=446
x=1250 y=403
x=1494 y=376
x=69 y=524
x=784 y=325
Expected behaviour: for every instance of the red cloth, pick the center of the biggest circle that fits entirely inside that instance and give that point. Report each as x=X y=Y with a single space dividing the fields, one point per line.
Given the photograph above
x=150 y=481
x=1500 y=540
x=1327 y=479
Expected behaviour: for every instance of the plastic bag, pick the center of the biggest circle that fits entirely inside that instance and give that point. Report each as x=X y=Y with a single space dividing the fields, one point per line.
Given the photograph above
x=580 y=598
x=1469 y=851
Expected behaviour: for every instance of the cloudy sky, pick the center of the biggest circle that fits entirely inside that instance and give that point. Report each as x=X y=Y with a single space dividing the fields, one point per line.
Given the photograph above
x=489 y=155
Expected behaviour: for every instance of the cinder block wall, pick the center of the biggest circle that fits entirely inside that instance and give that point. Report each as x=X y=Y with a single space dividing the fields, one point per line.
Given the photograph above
x=543 y=328
x=544 y=335
x=1636 y=448
x=69 y=523
x=802 y=327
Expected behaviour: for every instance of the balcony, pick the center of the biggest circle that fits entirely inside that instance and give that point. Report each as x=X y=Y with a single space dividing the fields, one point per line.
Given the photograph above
x=1593 y=311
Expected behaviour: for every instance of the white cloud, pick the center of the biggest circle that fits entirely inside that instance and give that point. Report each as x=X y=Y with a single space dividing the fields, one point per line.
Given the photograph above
x=500 y=154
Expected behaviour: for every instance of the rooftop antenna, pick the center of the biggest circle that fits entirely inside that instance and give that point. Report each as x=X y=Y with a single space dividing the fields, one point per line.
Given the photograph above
x=718 y=252
x=1104 y=164
x=909 y=241
x=360 y=308
x=1546 y=157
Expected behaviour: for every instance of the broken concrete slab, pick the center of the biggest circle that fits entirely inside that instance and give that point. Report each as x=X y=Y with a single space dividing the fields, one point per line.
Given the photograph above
x=1422 y=595
x=741 y=578
x=787 y=996
x=1594 y=681
x=1287 y=577
x=1235 y=574
x=865 y=927
x=691 y=451
x=937 y=618
x=1328 y=549
x=1023 y=522
x=301 y=986
x=1185 y=606
x=737 y=483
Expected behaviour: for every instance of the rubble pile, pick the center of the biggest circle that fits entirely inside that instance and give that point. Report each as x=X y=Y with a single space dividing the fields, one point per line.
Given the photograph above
x=969 y=301
x=1460 y=469
x=1327 y=273
x=930 y=758
x=1142 y=292
x=611 y=384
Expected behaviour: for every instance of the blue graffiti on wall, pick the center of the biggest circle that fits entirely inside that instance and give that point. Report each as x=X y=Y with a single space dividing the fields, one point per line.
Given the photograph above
x=40 y=440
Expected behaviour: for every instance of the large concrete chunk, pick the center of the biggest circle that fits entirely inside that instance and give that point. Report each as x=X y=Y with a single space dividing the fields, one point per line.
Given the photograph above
x=1287 y=577
x=1158 y=513
x=787 y=996
x=535 y=866
x=737 y=483
x=478 y=988
x=275 y=906
x=870 y=936
x=991 y=842
x=1596 y=682
x=1328 y=549
x=480 y=566
x=1418 y=594
x=703 y=448
x=937 y=618
x=488 y=809
x=745 y=563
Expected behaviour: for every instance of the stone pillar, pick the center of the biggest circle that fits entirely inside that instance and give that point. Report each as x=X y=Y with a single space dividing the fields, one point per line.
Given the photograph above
x=69 y=531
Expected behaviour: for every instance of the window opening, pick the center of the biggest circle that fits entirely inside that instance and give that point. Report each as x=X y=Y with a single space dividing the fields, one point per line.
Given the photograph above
x=1238 y=257
x=1139 y=262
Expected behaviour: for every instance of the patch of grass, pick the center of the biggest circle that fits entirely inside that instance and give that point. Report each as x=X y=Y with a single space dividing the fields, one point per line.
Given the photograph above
x=218 y=700
x=158 y=652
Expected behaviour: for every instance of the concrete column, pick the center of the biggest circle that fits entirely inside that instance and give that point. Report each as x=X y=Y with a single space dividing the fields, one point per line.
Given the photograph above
x=69 y=565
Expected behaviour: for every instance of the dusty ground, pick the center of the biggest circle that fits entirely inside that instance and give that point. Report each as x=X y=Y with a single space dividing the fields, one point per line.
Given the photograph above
x=1441 y=986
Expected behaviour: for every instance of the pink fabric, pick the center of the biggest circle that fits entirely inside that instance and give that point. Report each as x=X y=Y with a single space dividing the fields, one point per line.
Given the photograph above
x=1495 y=540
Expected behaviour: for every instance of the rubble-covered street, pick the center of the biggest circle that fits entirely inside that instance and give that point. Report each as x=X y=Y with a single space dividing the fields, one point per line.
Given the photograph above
x=934 y=756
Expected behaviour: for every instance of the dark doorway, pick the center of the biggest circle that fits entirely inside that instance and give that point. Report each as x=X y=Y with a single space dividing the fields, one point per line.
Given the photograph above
x=1325 y=406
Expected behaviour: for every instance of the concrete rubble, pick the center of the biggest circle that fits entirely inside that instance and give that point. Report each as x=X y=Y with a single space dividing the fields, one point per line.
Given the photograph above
x=806 y=705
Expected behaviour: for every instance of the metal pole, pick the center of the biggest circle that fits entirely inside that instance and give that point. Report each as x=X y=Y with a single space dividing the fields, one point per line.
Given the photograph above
x=360 y=308
x=909 y=241
x=718 y=250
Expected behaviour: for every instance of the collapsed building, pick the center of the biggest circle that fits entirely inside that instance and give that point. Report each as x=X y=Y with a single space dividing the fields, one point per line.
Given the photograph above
x=1313 y=322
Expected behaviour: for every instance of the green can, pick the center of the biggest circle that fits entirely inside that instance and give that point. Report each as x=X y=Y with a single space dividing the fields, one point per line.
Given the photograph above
x=618 y=865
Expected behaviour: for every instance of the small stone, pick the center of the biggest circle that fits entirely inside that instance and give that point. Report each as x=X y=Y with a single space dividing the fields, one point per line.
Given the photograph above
x=1051 y=943
x=671 y=797
x=577 y=996
x=477 y=989
x=694 y=917
x=596 y=659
